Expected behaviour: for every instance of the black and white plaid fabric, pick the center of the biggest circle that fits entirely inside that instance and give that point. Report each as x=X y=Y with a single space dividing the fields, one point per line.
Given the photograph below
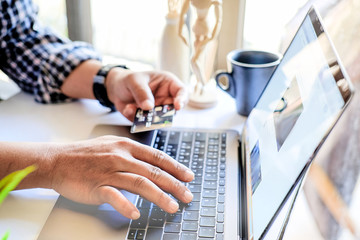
x=36 y=58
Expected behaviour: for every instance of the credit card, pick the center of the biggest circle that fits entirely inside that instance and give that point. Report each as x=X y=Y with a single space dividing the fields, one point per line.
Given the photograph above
x=159 y=117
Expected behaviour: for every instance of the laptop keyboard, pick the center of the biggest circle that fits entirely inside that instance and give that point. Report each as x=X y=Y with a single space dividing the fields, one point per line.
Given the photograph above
x=203 y=218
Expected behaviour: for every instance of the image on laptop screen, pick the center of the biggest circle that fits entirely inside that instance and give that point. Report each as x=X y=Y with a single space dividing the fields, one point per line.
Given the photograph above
x=304 y=98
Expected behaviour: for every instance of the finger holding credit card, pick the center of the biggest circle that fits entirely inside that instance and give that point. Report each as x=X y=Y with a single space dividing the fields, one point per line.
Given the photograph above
x=159 y=117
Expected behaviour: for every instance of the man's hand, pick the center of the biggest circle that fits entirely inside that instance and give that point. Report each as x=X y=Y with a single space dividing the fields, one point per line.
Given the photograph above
x=93 y=171
x=127 y=89
x=130 y=90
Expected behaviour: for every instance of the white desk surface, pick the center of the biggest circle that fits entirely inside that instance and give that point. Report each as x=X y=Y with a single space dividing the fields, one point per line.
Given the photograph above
x=24 y=212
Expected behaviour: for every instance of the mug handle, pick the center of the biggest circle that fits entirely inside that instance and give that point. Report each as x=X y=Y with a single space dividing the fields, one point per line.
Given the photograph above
x=226 y=82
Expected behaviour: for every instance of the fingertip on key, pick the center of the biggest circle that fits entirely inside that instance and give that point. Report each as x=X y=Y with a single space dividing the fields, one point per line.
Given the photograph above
x=188 y=196
x=190 y=175
x=135 y=215
x=174 y=206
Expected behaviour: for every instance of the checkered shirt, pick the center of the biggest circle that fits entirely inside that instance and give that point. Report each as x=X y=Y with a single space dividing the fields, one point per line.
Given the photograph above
x=36 y=58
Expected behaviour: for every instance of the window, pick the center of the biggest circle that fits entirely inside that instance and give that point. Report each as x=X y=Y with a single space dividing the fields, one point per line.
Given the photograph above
x=269 y=25
x=132 y=29
x=129 y=29
x=53 y=13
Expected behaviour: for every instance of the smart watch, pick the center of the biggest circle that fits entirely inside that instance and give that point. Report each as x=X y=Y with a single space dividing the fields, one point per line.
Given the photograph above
x=99 y=88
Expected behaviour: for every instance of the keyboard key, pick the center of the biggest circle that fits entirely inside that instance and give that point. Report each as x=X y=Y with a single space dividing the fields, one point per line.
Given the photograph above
x=222 y=166
x=207 y=222
x=219 y=236
x=222 y=182
x=211 y=163
x=140 y=234
x=175 y=217
x=213 y=142
x=157 y=217
x=207 y=193
x=198 y=172
x=156 y=221
x=221 y=208
x=211 y=169
x=194 y=188
x=195 y=167
x=210 y=185
x=208 y=212
x=185 y=146
x=213 y=155
x=141 y=222
x=221 y=198
x=132 y=234
x=200 y=136
x=172 y=228
x=185 y=152
x=200 y=145
x=192 y=206
x=174 y=138
x=197 y=181
x=208 y=202
x=191 y=215
x=143 y=203
x=154 y=233
x=197 y=197
x=219 y=227
x=171 y=236
x=187 y=137
x=188 y=236
x=220 y=218
x=214 y=135
x=206 y=232
x=221 y=190
x=190 y=226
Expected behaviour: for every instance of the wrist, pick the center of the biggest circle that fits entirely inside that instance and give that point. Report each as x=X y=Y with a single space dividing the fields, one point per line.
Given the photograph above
x=21 y=155
x=112 y=80
x=101 y=85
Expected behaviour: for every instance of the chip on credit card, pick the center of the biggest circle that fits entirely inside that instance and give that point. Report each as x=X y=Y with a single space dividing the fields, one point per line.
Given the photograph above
x=159 y=117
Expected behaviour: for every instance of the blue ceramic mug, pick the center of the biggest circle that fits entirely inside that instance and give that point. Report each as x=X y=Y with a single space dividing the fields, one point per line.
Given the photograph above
x=248 y=73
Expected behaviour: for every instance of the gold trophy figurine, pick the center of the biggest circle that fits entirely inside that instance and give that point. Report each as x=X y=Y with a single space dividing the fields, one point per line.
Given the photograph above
x=202 y=96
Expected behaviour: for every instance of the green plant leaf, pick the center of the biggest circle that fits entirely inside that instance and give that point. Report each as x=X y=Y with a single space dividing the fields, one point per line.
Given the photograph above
x=9 y=183
x=6 y=236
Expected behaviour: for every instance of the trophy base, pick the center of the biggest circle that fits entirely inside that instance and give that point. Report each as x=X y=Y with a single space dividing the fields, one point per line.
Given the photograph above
x=205 y=97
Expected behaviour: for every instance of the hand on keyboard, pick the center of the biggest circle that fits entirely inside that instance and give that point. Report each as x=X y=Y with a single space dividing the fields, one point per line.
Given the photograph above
x=92 y=171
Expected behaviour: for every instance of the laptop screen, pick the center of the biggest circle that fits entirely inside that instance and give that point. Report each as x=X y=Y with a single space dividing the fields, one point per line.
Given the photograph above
x=304 y=98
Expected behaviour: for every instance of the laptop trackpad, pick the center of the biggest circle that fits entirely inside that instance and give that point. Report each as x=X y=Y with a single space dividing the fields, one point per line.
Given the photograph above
x=72 y=220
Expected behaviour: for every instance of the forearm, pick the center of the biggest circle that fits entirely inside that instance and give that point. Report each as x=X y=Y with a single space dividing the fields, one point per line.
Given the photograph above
x=80 y=81
x=16 y=156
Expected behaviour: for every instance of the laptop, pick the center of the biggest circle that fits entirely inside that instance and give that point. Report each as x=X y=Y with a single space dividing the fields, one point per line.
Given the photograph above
x=242 y=181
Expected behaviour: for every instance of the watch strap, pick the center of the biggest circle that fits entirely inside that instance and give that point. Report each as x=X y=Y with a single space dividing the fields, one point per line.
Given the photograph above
x=99 y=88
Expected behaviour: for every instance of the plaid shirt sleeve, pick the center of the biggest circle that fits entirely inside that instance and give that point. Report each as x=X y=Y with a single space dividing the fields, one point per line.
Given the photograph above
x=33 y=56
